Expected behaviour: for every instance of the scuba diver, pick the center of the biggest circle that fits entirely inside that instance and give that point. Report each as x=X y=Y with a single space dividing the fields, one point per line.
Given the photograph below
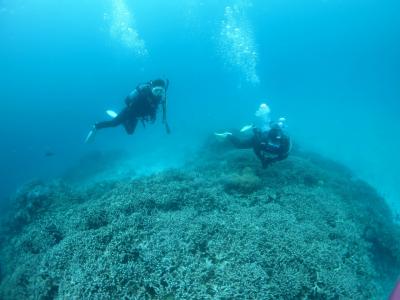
x=141 y=105
x=270 y=143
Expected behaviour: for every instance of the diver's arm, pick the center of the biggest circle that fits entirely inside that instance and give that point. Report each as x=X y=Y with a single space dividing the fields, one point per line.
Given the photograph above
x=164 y=108
x=164 y=120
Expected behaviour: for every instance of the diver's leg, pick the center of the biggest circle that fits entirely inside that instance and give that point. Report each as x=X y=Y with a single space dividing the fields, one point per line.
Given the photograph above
x=118 y=120
x=130 y=125
x=106 y=124
x=258 y=152
x=266 y=161
x=241 y=143
x=279 y=157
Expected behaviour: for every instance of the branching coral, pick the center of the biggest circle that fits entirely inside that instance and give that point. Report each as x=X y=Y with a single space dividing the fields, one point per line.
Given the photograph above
x=219 y=228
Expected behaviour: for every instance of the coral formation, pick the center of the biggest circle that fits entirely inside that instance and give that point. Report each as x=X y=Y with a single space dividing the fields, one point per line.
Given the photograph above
x=219 y=228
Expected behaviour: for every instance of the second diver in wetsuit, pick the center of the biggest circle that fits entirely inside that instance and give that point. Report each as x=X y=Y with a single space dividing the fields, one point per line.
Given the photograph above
x=270 y=142
x=140 y=105
x=269 y=146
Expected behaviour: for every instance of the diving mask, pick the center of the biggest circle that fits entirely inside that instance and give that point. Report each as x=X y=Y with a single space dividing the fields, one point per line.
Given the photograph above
x=158 y=91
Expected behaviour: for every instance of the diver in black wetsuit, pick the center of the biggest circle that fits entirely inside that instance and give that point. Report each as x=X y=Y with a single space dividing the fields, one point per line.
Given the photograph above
x=269 y=146
x=141 y=104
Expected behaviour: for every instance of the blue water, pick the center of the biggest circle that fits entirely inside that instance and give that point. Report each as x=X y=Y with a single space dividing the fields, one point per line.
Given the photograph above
x=330 y=67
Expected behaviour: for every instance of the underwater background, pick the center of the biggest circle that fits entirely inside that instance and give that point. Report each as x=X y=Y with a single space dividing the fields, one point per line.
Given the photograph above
x=330 y=67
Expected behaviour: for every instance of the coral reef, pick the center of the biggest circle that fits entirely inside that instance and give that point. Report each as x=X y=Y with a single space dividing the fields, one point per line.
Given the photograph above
x=219 y=228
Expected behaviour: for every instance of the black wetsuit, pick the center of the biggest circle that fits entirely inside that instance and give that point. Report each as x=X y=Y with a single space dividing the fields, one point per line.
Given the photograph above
x=141 y=104
x=269 y=146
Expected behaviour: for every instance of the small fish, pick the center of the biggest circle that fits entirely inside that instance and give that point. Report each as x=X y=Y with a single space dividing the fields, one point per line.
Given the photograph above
x=49 y=154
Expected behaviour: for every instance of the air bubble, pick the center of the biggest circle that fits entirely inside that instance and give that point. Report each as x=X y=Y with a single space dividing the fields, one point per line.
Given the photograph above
x=122 y=28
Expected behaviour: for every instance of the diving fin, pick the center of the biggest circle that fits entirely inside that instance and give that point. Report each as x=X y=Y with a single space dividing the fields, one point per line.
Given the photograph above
x=247 y=127
x=111 y=113
x=222 y=135
x=90 y=137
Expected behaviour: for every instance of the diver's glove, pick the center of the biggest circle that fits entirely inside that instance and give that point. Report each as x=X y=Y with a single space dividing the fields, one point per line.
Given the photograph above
x=167 y=128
